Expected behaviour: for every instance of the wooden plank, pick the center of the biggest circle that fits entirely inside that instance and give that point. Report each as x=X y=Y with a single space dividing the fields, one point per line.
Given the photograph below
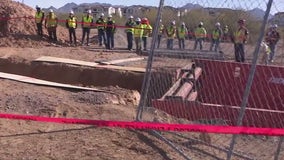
x=64 y=60
x=89 y=64
x=118 y=61
x=35 y=81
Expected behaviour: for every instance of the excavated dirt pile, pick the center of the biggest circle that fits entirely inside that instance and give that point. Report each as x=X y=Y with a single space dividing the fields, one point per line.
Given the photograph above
x=17 y=26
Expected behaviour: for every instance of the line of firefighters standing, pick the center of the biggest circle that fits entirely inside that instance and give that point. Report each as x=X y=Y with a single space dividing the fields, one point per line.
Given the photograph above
x=140 y=29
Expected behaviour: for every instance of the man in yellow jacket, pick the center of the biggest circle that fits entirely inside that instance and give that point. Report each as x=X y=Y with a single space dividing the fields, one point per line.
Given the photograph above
x=138 y=33
x=39 y=17
x=71 y=24
x=87 y=22
x=200 y=34
x=146 y=33
x=182 y=35
x=240 y=39
x=51 y=23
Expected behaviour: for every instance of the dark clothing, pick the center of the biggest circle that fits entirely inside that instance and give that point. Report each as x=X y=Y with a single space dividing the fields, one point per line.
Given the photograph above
x=110 y=40
x=239 y=52
x=39 y=29
x=52 y=33
x=101 y=31
x=181 y=43
x=102 y=37
x=110 y=30
x=159 y=40
x=144 y=39
x=86 y=31
x=72 y=35
x=129 y=40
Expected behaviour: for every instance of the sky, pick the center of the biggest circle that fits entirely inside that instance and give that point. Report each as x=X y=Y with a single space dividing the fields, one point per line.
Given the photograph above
x=278 y=5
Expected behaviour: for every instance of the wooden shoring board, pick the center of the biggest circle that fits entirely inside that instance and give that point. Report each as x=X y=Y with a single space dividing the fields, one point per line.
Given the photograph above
x=118 y=61
x=89 y=64
x=30 y=80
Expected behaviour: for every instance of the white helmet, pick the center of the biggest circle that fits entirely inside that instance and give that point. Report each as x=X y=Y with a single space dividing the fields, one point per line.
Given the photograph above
x=138 y=19
x=201 y=23
x=37 y=7
x=51 y=11
x=217 y=24
x=71 y=12
x=275 y=26
x=102 y=14
x=183 y=24
x=109 y=16
x=89 y=11
x=131 y=17
x=173 y=22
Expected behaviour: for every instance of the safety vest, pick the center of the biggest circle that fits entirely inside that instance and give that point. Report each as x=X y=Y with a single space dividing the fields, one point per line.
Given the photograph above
x=147 y=30
x=216 y=34
x=38 y=17
x=200 y=32
x=51 y=20
x=161 y=29
x=110 y=26
x=101 y=23
x=130 y=24
x=87 y=21
x=139 y=30
x=171 y=30
x=72 y=22
x=182 y=32
x=240 y=36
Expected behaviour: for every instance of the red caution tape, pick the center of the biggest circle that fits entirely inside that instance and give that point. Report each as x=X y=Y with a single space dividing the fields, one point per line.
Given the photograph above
x=153 y=126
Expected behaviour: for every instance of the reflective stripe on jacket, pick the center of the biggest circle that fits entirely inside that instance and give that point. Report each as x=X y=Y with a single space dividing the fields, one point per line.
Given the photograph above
x=200 y=32
x=139 y=30
x=51 y=20
x=87 y=21
x=72 y=22
x=38 y=17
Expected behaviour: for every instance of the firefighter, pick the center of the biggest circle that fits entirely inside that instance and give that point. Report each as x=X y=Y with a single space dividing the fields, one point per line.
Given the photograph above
x=110 y=31
x=138 y=34
x=101 y=26
x=182 y=35
x=161 y=33
x=39 y=17
x=130 y=24
x=272 y=37
x=51 y=25
x=217 y=35
x=71 y=24
x=171 y=33
x=240 y=38
x=147 y=31
x=87 y=21
x=200 y=34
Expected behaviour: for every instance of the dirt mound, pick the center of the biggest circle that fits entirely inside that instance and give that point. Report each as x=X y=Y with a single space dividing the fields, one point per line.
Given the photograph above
x=17 y=26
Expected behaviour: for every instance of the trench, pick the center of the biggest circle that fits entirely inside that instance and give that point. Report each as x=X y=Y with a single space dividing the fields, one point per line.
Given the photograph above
x=87 y=76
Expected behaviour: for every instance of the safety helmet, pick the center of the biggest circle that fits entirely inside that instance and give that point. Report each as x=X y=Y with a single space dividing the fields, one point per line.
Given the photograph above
x=50 y=10
x=131 y=17
x=102 y=14
x=241 y=21
x=201 y=23
x=71 y=12
x=138 y=19
x=275 y=26
x=217 y=24
x=109 y=16
x=173 y=22
x=183 y=24
x=226 y=26
x=89 y=11
x=37 y=7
